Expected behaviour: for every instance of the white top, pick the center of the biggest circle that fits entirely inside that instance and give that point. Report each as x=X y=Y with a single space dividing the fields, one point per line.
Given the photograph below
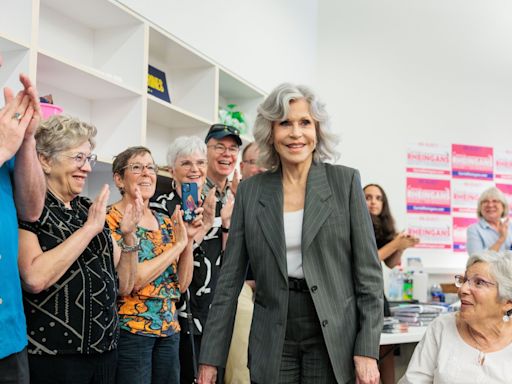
x=443 y=357
x=293 y=238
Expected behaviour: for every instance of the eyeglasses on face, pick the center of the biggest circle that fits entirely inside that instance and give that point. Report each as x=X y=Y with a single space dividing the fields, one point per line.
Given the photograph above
x=80 y=158
x=250 y=162
x=220 y=148
x=490 y=201
x=187 y=164
x=138 y=168
x=475 y=282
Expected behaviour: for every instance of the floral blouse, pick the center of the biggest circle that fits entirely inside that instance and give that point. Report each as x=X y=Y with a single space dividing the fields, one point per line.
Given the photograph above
x=150 y=311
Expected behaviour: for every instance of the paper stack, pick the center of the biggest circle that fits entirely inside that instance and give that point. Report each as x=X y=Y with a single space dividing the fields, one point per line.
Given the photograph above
x=417 y=314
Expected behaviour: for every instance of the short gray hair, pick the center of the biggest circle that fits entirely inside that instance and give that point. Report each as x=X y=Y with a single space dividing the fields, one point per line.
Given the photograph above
x=275 y=108
x=500 y=267
x=492 y=193
x=60 y=133
x=185 y=146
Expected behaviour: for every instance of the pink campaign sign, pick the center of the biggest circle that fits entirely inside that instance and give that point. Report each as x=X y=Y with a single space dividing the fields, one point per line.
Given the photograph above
x=472 y=162
x=428 y=196
x=460 y=226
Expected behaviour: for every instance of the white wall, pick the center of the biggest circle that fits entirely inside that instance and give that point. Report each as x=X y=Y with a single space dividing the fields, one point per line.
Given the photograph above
x=399 y=71
x=266 y=42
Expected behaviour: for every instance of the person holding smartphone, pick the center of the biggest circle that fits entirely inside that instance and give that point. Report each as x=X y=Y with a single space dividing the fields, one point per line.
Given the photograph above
x=305 y=230
x=150 y=331
x=188 y=164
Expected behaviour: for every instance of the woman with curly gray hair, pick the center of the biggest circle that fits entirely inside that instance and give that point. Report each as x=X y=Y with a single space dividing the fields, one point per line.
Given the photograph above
x=473 y=345
x=305 y=229
x=71 y=268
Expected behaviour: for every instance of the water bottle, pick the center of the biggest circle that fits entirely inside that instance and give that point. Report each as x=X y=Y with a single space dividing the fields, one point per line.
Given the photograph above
x=396 y=283
x=407 y=286
x=436 y=294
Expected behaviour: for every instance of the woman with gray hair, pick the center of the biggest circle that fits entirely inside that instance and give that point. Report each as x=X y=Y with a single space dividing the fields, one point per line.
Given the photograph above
x=71 y=268
x=187 y=163
x=473 y=345
x=492 y=231
x=305 y=229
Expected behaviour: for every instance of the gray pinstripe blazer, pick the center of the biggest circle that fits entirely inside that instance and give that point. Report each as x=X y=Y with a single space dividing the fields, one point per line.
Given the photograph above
x=340 y=265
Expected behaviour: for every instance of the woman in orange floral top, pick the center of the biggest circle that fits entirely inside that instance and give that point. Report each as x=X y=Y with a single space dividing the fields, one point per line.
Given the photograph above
x=149 y=341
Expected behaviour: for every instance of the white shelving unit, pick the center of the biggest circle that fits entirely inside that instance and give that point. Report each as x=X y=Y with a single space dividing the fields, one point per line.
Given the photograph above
x=93 y=56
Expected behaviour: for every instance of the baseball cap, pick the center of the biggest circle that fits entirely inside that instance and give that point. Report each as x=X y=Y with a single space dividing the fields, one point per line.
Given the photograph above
x=218 y=131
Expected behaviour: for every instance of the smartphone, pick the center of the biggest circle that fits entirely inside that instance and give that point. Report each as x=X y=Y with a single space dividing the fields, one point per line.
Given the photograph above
x=189 y=200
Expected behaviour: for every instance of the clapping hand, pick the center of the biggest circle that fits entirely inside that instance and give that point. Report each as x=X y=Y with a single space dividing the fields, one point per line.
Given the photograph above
x=227 y=210
x=180 y=230
x=132 y=215
x=209 y=210
x=405 y=240
x=502 y=228
x=98 y=211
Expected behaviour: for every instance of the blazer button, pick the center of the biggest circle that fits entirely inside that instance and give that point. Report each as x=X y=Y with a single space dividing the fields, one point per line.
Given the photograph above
x=314 y=288
x=324 y=323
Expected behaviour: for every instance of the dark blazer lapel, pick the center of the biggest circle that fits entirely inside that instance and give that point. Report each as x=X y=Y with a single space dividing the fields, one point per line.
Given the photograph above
x=270 y=217
x=317 y=207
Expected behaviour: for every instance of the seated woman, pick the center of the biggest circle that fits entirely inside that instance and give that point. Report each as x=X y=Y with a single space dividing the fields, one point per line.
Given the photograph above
x=150 y=333
x=69 y=265
x=390 y=246
x=473 y=345
x=492 y=231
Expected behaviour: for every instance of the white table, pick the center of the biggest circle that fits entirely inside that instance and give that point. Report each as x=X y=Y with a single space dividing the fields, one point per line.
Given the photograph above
x=413 y=335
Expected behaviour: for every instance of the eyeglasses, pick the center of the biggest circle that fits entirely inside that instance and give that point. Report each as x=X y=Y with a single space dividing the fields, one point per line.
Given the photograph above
x=475 y=282
x=138 y=168
x=187 y=164
x=221 y=148
x=250 y=162
x=489 y=202
x=80 y=158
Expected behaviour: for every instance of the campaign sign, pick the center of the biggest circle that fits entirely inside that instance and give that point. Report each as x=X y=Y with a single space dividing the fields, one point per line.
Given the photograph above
x=428 y=196
x=460 y=227
x=428 y=158
x=507 y=191
x=465 y=194
x=157 y=85
x=503 y=164
x=472 y=162
x=434 y=231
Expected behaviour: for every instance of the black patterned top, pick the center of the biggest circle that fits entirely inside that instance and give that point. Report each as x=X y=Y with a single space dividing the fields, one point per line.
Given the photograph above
x=78 y=314
x=207 y=261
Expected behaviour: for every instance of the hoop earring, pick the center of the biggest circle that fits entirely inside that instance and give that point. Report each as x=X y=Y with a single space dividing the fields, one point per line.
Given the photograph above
x=173 y=184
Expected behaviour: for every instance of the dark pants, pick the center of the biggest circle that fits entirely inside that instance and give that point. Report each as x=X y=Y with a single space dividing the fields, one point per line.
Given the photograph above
x=186 y=355
x=146 y=360
x=187 y=360
x=14 y=368
x=305 y=359
x=98 y=368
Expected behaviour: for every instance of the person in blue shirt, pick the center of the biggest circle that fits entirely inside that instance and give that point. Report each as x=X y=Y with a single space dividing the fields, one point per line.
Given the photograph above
x=22 y=190
x=492 y=231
